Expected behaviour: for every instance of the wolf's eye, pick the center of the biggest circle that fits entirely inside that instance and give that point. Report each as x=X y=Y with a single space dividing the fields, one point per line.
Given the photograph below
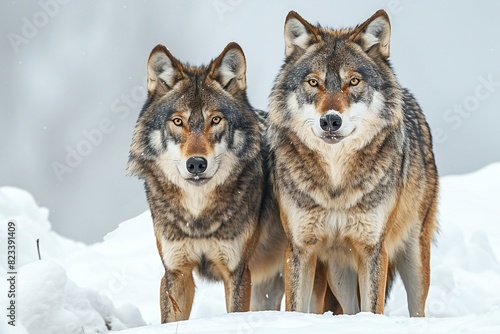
x=216 y=120
x=177 y=121
x=354 y=82
x=312 y=82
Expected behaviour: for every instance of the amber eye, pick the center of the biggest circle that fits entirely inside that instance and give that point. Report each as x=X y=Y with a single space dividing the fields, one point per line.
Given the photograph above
x=177 y=121
x=216 y=120
x=354 y=82
x=312 y=82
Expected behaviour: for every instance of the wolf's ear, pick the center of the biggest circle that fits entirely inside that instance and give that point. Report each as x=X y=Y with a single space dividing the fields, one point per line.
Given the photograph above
x=229 y=69
x=164 y=71
x=299 y=34
x=374 y=33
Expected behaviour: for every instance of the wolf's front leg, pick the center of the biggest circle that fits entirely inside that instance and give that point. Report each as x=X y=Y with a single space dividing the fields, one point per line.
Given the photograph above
x=237 y=286
x=300 y=266
x=373 y=278
x=176 y=295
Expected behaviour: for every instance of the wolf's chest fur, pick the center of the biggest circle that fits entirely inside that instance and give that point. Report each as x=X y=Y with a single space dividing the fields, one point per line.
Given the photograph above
x=193 y=212
x=338 y=177
x=195 y=202
x=203 y=226
x=341 y=192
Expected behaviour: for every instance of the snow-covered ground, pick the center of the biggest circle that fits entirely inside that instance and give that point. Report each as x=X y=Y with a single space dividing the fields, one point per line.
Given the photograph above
x=114 y=284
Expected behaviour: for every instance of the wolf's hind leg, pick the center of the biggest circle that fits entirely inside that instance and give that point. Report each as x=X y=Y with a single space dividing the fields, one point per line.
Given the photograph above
x=343 y=282
x=317 y=304
x=414 y=268
x=267 y=295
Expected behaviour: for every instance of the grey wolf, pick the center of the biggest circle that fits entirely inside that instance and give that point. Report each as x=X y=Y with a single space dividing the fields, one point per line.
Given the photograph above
x=353 y=170
x=198 y=147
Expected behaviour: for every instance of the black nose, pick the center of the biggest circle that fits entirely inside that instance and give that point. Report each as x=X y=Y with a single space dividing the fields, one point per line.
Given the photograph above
x=196 y=165
x=330 y=122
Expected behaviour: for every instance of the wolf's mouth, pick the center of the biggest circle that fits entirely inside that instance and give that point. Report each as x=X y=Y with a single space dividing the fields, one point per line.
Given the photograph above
x=333 y=138
x=198 y=180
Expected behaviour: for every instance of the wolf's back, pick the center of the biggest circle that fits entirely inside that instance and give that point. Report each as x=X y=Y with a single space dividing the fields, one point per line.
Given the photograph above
x=419 y=159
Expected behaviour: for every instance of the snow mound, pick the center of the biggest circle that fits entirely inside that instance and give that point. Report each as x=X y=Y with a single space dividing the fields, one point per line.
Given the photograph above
x=52 y=303
x=78 y=285
x=31 y=224
x=47 y=300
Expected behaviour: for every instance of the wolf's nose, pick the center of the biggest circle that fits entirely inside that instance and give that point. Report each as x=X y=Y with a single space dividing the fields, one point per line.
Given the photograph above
x=196 y=165
x=330 y=122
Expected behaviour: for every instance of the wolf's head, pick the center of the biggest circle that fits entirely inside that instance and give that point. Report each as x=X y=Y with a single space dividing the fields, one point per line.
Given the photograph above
x=196 y=122
x=336 y=83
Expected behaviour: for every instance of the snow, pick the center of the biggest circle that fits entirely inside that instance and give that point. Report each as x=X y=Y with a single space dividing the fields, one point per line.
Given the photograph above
x=114 y=284
x=66 y=308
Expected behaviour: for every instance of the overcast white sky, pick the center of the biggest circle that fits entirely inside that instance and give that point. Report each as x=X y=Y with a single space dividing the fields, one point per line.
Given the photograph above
x=72 y=73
